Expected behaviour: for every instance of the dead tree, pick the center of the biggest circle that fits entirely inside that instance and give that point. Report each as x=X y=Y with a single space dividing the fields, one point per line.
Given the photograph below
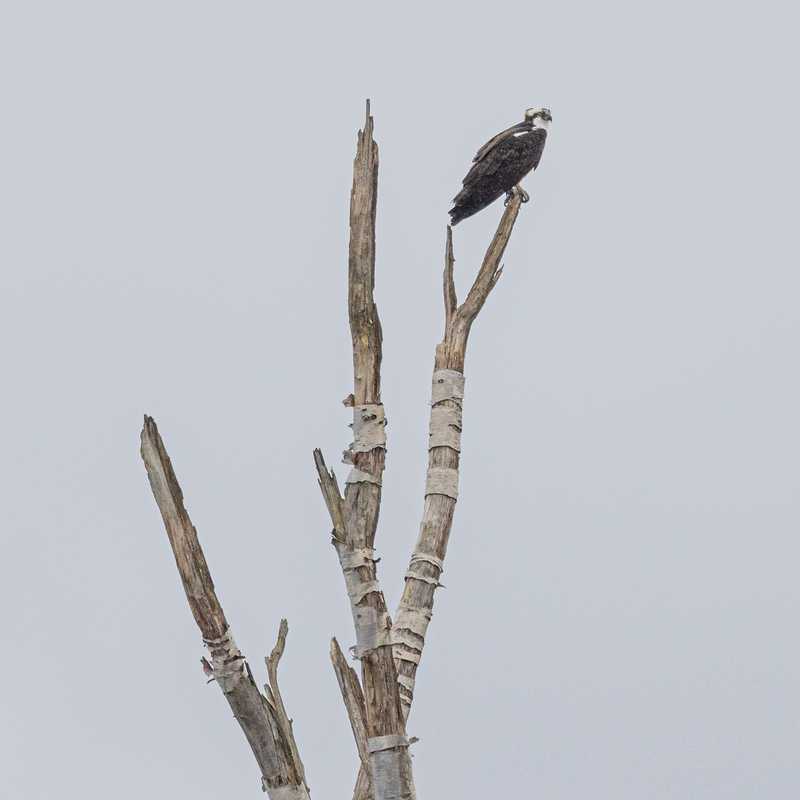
x=388 y=652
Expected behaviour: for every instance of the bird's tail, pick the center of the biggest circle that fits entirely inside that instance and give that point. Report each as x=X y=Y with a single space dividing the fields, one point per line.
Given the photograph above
x=459 y=212
x=456 y=215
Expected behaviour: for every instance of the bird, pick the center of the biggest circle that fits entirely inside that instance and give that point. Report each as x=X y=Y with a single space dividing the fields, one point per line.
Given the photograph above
x=502 y=163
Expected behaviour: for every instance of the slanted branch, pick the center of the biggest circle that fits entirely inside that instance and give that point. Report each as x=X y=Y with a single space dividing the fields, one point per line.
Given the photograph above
x=262 y=718
x=452 y=351
x=353 y=699
x=426 y=564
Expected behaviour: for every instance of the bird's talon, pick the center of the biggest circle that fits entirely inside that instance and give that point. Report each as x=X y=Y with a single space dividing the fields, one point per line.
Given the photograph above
x=517 y=191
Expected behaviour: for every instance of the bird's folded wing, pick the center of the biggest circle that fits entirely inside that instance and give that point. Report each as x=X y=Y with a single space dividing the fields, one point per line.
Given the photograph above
x=487 y=166
x=502 y=136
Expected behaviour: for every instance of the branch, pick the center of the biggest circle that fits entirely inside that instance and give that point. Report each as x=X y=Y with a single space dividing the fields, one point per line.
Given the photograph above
x=365 y=326
x=490 y=270
x=330 y=493
x=368 y=451
x=451 y=351
x=182 y=535
x=444 y=446
x=274 y=693
x=450 y=299
x=282 y=776
x=355 y=516
x=353 y=700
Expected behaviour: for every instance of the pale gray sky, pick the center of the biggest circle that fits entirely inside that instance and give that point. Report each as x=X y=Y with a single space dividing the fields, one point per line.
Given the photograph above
x=174 y=182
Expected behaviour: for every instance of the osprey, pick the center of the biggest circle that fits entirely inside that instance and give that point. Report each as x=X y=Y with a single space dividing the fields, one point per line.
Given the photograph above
x=502 y=163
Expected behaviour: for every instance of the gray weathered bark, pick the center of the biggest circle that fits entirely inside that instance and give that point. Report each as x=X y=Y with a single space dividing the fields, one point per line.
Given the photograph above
x=355 y=516
x=262 y=718
x=378 y=704
x=444 y=451
x=415 y=609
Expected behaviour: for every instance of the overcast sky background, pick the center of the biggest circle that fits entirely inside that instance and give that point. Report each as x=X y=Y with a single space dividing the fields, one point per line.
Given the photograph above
x=621 y=614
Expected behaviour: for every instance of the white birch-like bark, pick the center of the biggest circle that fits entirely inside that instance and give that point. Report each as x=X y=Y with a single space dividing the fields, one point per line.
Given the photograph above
x=415 y=609
x=389 y=656
x=426 y=564
x=355 y=515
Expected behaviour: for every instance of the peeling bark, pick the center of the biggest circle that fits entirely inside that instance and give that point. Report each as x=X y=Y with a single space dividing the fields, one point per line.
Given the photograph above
x=377 y=705
x=266 y=728
x=447 y=393
x=355 y=515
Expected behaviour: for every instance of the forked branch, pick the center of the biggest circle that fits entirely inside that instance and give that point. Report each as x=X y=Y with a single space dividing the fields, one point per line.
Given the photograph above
x=425 y=568
x=262 y=719
x=451 y=352
x=378 y=705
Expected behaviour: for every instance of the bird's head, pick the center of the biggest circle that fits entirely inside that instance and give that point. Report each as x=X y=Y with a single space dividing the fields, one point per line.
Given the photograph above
x=539 y=117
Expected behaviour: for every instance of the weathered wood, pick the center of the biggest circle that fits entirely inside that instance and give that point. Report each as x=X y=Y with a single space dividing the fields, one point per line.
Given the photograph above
x=362 y=500
x=365 y=325
x=182 y=535
x=451 y=351
x=273 y=746
x=378 y=704
x=355 y=515
x=273 y=694
x=332 y=496
x=354 y=702
x=450 y=298
x=416 y=604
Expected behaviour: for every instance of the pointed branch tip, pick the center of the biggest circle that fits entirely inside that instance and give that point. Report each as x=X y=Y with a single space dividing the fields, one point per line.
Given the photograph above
x=450 y=297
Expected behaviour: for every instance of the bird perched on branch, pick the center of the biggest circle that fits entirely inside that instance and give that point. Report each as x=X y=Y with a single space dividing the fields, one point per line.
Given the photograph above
x=501 y=164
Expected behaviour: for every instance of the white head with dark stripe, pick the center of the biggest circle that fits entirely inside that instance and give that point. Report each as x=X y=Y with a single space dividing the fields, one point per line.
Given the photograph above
x=539 y=117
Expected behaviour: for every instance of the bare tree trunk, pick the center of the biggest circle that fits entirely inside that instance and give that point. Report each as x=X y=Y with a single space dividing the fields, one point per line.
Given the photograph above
x=262 y=717
x=355 y=516
x=378 y=704
x=426 y=564
x=444 y=453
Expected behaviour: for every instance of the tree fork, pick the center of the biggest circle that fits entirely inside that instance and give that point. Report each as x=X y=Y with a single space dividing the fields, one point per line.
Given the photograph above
x=262 y=718
x=389 y=655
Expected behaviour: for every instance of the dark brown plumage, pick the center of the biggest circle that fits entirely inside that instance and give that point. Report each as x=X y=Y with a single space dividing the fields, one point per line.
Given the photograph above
x=499 y=166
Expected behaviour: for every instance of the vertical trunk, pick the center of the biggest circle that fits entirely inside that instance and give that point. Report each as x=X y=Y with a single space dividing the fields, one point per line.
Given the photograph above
x=355 y=516
x=389 y=656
